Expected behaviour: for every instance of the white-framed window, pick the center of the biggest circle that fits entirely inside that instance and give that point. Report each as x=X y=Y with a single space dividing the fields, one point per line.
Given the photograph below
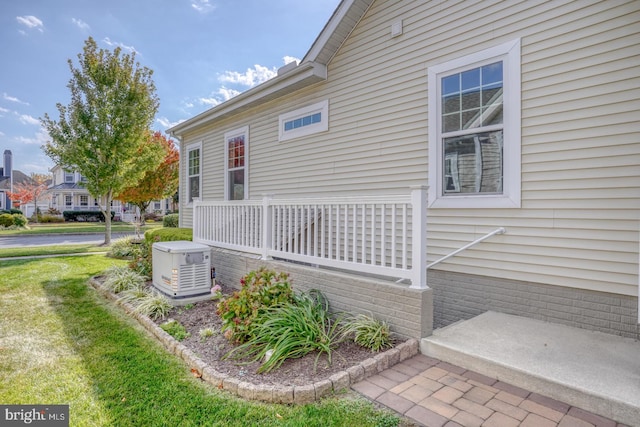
x=69 y=177
x=236 y=164
x=68 y=200
x=194 y=171
x=84 y=200
x=474 y=130
x=304 y=121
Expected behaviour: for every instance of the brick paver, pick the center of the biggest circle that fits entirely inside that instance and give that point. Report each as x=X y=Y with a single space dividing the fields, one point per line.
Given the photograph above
x=434 y=393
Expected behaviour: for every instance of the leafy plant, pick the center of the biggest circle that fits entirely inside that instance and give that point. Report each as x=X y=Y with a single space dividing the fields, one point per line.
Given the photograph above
x=121 y=278
x=141 y=256
x=292 y=330
x=369 y=332
x=175 y=329
x=134 y=295
x=260 y=290
x=6 y=220
x=170 y=220
x=206 y=333
x=122 y=248
x=154 y=305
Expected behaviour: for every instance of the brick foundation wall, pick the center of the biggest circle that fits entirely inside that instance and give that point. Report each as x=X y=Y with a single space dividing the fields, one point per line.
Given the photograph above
x=409 y=312
x=460 y=296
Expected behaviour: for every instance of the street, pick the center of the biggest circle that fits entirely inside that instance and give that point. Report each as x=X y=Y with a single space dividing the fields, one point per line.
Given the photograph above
x=56 y=239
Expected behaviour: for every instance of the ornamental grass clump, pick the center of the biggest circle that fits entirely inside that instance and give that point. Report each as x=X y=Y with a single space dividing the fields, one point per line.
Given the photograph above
x=154 y=305
x=120 y=278
x=368 y=332
x=260 y=290
x=291 y=330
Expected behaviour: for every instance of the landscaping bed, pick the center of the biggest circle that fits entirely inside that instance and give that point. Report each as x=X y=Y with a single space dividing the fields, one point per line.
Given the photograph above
x=297 y=380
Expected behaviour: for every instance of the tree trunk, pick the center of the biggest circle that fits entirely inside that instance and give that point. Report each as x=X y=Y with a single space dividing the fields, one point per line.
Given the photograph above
x=107 y=219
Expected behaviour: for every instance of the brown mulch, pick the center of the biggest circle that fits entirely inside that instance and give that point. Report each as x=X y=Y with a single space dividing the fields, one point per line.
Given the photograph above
x=292 y=372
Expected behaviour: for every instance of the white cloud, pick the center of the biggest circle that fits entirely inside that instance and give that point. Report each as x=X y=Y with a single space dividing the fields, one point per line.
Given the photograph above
x=251 y=77
x=131 y=49
x=31 y=22
x=287 y=59
x=202 y=6
x=28 y=120
x=81 y=24
x=166 y=123
x=13 y=99
x=40 y=138
x=2 y=133
x=4 y=110
x=223 y=94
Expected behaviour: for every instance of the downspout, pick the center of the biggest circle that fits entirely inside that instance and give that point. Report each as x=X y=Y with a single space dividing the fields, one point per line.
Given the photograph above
x=500 y=230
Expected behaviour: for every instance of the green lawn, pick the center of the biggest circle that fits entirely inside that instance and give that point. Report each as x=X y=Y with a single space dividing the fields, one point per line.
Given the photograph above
x=62 y=343
x=78 y=227
x=50 y=250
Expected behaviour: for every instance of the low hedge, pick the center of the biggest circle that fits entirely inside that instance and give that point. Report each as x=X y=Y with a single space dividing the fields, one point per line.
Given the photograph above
x=168 y=234
x=85 y=216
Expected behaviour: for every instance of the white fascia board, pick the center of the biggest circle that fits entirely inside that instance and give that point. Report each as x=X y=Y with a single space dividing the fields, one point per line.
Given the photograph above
x=303 y=75
x=328 y=30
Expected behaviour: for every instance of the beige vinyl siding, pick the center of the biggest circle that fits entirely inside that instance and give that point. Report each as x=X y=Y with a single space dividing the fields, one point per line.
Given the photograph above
x=578 y=225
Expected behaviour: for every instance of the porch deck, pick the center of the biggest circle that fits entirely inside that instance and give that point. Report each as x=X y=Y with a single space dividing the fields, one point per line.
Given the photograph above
x=594 y=371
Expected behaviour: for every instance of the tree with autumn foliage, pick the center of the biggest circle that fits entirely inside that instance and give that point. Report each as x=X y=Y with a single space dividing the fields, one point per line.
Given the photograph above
x=158 y=183
x=31 y=191
x=103 y=132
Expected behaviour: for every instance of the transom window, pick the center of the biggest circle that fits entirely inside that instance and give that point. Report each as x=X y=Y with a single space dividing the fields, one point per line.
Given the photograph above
x=474 y=132
x=236 y=155
x=193 y=171
x=304 y=121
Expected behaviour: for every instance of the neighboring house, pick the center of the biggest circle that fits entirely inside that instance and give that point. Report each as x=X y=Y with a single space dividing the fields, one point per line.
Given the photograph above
x=8 y=178
x=516 y=115
x=68 y=193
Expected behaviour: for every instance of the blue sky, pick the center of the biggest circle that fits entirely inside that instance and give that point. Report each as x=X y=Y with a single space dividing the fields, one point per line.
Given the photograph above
x=201 y=52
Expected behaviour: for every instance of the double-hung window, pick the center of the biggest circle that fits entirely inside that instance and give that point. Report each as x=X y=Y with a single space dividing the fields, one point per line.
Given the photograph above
x=474 y=130
x=236 y=164
x=194 y=171
x=69 y=177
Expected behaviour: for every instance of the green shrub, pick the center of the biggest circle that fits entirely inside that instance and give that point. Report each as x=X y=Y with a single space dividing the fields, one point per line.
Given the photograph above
x=291 y=330
x=141 y=261
x=154 y=305
x=260 y=290
x=170 y=220
x=6 y=220
x=369 y=332
x=19 y=220
x=175 y=329
x=50 y=219
x=121 y=278
x=124 y=247
x=168 y=234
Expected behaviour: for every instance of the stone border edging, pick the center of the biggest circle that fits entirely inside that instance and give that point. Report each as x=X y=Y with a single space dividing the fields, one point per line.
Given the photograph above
x=265 y=392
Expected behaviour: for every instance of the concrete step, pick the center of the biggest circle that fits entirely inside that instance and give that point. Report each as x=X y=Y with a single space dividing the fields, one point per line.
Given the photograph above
x=594 y=371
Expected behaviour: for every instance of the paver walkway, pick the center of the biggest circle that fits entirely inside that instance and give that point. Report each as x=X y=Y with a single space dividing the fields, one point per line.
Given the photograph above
x=433 y=393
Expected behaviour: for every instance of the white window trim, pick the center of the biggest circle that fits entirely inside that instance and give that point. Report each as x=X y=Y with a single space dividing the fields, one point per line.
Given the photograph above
x=321 y=107
x=509 y=53
x=191 y=147
x=232 y=134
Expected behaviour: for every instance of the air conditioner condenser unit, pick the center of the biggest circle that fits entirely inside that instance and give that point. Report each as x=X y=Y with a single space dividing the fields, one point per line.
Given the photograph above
x=182 y=270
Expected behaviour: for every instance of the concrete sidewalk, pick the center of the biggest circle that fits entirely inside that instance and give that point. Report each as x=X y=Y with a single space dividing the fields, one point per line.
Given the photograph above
x=503 y=370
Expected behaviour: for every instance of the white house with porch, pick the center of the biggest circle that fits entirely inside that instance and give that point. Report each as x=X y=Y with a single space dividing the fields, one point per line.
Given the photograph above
x=429 y=162
x=68 y=193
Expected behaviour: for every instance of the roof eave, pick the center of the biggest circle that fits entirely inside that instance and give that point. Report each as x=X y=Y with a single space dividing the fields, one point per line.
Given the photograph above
x=299 y=77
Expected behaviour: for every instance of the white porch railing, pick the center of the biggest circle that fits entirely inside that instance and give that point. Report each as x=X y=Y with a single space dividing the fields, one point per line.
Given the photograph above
x=383 y=235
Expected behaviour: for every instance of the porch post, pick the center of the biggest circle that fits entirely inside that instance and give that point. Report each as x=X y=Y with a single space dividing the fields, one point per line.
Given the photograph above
x=419 y=237
x=267 y=220
x=197 y=227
